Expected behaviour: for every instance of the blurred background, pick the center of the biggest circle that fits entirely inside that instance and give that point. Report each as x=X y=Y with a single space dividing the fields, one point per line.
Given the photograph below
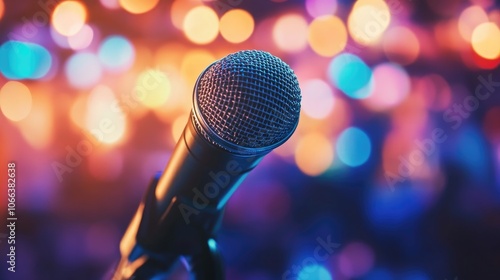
x=393 y=172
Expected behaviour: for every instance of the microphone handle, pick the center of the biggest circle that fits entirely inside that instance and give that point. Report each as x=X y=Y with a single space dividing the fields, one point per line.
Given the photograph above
x=183 y=208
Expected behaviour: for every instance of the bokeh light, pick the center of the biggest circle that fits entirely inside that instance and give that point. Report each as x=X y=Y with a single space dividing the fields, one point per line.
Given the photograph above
x=152 y=88
x=486 y=40
x=390 y=210
x=356 y=259
x=38 y=126
x=83 y=70
x=15 y=100
x=317 y=99
x=236 y=25
x=69 y=17
x=290 y=33
x=391 y=85
x=327 y=35
x=368 y=21
x=24 y=60
x=314 y=154
x=353 y=147
x=401 y=45
x=317 y=8
x=104 y=124
x=180 y=9
x=314 y=272
x=194 y=62
x=110 y=4
x=201 y=25
x=2 y=9
x=351 y=75
x=138 y=6
x=116 y=53
x=469 y=19
x=82 y=39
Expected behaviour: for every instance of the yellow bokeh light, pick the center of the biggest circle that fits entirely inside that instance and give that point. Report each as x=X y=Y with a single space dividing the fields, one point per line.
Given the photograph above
x=201 y=25
x=178 y=126
x=69 y=17
x=138 y=6
x=314 y=154
x=152 y=88
x=469 y=19
x=37 y=128
x=236 y=26
x=368 y=20
x=15 y=100
x=486 y=40
x=2 y=8
x=290 y=33
x=179 y=10
x=193 y=64
x=327 y=35
x=103 y=121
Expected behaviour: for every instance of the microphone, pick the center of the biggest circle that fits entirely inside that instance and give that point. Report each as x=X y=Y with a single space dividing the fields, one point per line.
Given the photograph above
x=244 y=105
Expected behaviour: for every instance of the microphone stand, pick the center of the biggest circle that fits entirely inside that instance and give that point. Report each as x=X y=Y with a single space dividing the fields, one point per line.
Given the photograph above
x=145 y=259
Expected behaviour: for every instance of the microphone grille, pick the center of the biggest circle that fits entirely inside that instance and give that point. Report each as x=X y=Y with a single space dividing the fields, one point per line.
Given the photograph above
x=250 y=99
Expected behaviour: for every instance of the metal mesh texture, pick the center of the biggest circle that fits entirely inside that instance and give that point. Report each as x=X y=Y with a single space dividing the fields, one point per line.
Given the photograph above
x=250 y=98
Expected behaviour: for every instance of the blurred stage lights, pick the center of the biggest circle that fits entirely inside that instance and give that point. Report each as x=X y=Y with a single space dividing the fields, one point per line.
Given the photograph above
x=317 y=99
x=83 y=70
x=152 y=88
x=15 y=100
x=317 y=8
x=368 y=21
x=391 y=85
x=327 y=35
x=22 y=60
x=138 y=6
x=290 y=33
x=314 y=272
x=69 y=17
x=486 y=40
x=236 y=26
x=314 y=154
x=116 y=53
x=201 y=25
x=469 y=19
x=82 y=39
x=401 y=45
x=353 y=147
x=106 y=124
x=351 y=75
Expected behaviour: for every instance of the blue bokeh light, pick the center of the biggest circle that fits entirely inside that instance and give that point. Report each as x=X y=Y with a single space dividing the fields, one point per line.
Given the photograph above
x=389 y=210
x=20 y=60
x=353 y=147
x=415 y=275
x=116 y=53
x=351 y=75
x=314 y=272
x=83 y=70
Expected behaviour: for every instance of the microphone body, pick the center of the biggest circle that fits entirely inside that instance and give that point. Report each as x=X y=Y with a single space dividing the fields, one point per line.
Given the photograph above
x=183 y=207
x=240 y=113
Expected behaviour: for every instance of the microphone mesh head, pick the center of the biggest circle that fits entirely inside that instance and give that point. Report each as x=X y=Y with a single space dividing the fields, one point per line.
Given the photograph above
x=250 y=99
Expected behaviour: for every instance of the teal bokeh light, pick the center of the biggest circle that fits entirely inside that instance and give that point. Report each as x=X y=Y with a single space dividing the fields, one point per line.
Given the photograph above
x=20 y=60
x=353 y=147
x=351 y=75
x=314 y=272
x=116 y=53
